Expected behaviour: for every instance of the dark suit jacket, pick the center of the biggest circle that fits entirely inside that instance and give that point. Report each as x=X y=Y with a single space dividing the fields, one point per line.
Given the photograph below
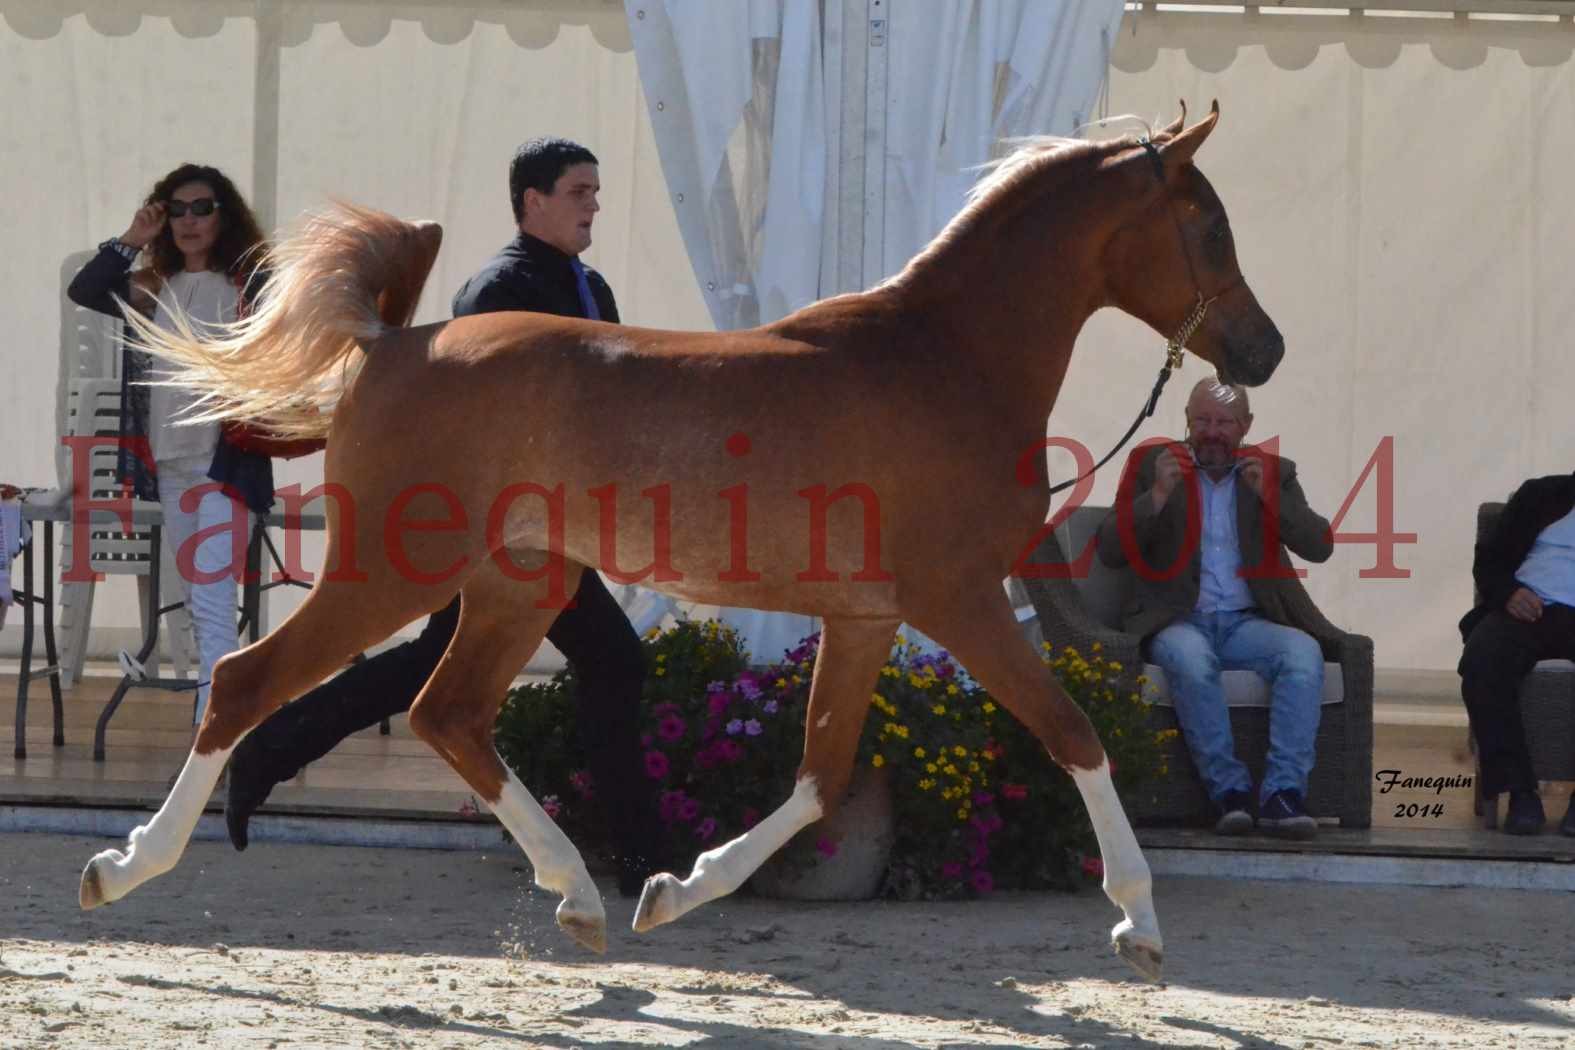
x=1161 y=538
x=1535 y=505
x=530 y=274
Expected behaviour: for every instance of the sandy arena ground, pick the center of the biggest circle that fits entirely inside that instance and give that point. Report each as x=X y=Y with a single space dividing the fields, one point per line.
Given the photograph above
x=307 y=946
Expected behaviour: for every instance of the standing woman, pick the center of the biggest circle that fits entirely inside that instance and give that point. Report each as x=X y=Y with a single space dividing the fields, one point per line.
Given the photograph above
x=201 y=245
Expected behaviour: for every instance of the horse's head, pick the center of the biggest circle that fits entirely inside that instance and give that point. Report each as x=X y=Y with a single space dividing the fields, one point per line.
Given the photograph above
x=1173 y=264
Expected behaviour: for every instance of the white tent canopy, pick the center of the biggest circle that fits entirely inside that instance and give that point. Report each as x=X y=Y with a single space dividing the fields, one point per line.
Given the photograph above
x=1395 y=184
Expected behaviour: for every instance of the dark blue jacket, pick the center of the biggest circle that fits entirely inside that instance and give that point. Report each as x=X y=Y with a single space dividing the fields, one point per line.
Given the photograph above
x=530 y=274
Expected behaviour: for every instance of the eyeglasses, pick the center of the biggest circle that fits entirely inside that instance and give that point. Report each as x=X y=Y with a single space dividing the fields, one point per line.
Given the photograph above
x=202 y=206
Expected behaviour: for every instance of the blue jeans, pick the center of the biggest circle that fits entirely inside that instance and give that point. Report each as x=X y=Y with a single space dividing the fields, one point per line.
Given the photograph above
x=1194 y=650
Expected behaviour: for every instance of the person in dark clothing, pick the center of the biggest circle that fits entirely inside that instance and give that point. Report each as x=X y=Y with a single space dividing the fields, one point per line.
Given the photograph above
x=553 y=186
x=1525 y=578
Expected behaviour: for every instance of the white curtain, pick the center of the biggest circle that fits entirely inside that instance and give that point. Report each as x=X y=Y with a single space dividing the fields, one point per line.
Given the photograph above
x=738 y=103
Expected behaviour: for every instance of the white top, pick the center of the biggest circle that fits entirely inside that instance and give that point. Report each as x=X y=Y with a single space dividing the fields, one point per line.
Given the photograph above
x=205 y=298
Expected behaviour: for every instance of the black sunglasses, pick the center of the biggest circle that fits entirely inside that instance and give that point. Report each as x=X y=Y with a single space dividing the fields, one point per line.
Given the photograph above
x=200 y=207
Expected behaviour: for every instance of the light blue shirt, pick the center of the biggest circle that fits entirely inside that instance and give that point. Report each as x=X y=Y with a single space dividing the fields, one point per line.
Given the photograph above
x=1221 y=588
x=1549 y=569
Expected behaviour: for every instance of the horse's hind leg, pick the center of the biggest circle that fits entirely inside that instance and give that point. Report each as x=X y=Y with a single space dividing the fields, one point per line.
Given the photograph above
x=851 y=655
x=981 y=632
x=337 y=620
x=499 y=627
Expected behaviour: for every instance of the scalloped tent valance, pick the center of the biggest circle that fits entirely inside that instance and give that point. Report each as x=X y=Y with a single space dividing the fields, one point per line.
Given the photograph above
x=365 y=24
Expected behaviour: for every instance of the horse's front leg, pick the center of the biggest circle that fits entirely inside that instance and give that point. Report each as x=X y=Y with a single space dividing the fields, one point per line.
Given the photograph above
x=981 y=632
x=851 y=655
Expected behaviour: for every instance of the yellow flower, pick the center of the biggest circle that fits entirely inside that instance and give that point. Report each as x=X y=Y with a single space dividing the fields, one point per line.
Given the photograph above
x=660 y=657
x=890 y=672
x=781 y=683
x=989 y=708
x=878 y=761
x=939 y=709
x=918 y=752
x=950 y=769
x=1114 y=665
x=902 y=731
x=798 y=680
x=952 y=690
x=929 y=767
x=962 y=814
x=973 y=767
x=1096 y=647
x=660 y=671
x=960 y=751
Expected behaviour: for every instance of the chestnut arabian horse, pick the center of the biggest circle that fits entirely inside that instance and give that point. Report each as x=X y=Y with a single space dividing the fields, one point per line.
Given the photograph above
x=484 y=457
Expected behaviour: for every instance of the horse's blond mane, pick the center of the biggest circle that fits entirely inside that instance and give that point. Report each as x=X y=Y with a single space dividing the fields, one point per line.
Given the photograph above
x=1018 y=173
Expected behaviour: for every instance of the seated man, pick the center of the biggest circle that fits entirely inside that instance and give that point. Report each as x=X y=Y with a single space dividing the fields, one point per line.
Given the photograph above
x=1525 y=575
x=1213 y=510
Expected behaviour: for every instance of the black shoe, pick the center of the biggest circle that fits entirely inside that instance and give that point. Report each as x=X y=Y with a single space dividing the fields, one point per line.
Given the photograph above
x=1525 y=816
x=1284 y=816
x=1234 y=815
x=1567 y=825
x=250 y=783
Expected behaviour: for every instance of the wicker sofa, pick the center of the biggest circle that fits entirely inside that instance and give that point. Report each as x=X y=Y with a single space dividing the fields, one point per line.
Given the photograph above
x=1547 y=705
x=1085 y=608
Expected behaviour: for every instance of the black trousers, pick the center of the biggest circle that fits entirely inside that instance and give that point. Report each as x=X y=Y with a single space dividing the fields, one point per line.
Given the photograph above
x=1499 y=652
x=596 y=638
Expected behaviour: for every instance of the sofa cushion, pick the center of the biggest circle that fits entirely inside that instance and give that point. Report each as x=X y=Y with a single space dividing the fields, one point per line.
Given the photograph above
x=1245 y=688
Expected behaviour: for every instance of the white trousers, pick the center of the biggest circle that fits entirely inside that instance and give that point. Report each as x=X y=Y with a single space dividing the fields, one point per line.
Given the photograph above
x=208 y=568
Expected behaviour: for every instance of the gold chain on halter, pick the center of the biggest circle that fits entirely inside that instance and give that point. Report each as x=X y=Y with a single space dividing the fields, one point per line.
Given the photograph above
x=1178 y=343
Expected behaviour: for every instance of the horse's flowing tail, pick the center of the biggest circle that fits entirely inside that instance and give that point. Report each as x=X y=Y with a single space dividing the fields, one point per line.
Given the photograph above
x=337 y=281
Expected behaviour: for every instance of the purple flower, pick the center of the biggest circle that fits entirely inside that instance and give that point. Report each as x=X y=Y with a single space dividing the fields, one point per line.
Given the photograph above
x=688 y=810
x=982 y=882
x=671 y=729
x=669 y=805
x=705 y=829
x=749 y=685
x=826 y=847
x=716 y=703
x=753 y=728
x=656 y=765
x=736 y=726
x=716 y=687
x=769 y=707
x=730 y=750
x=951 y=870
x=982 y=798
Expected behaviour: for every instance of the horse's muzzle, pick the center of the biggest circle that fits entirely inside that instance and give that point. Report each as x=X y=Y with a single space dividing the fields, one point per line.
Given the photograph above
x=1253 y=364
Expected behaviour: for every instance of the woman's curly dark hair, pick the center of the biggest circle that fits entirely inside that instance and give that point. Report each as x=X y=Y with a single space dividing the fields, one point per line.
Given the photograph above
x=240 y=241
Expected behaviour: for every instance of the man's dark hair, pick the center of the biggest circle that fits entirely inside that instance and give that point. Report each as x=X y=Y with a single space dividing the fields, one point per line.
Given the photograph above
x=538 y=164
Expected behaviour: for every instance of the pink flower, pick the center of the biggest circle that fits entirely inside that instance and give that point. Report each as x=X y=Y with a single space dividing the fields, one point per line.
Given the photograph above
x=1014 y=792
x=705 y=829
x=1093 y=867
x=688 y=809
x=982 y=882
x=582 y=783
x=751 y=817
x=671 y=729
x=716 y=703
x=951 y=869
x=551 y=807
x=731 y=750
x=826 y=847
x=656 y=765
x=669 y=805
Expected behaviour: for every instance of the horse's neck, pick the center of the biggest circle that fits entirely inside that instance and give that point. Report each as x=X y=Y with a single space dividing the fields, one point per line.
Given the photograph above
x=1011 y=306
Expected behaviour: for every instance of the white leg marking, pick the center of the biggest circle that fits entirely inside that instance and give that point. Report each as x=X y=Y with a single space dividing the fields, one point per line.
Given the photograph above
x=720 y=871
x=559 y=866
x=1127 y=880
x=156 y=846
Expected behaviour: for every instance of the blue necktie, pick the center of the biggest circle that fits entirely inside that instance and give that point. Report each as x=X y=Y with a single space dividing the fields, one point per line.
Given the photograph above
x=587 y=300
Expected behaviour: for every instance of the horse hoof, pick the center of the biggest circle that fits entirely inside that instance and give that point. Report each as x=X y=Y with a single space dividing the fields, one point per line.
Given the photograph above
x=1146 y=959
x=658 y=901
x=91 y=893
x=587 y=931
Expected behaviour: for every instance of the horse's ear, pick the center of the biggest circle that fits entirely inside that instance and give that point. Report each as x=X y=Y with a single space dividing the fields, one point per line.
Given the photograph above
x=1180 y=149
x=1176 y=125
